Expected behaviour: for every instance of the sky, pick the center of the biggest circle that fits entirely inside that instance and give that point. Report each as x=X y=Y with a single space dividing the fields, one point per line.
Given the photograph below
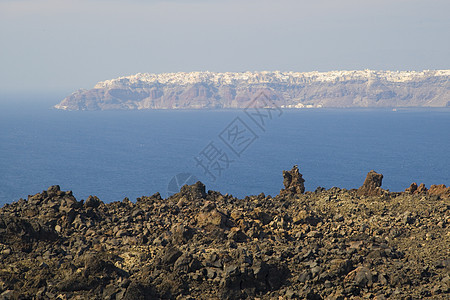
x=59 y=46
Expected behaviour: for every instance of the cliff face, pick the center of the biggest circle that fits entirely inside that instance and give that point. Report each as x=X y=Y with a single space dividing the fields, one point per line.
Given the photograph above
x=209 y=90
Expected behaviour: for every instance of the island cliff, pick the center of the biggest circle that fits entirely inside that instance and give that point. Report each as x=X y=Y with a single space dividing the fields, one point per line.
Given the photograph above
x=209 y=90
x=367 y=243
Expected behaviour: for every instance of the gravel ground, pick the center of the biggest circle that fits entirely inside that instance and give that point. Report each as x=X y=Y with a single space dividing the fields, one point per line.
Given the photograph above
x=364 y=243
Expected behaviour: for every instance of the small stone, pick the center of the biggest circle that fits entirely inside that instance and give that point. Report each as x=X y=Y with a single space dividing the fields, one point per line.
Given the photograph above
x=122 y=232
x=361 y=276
x=314 y=234
x=213 y=217
x=8 y=294
x=315 y=271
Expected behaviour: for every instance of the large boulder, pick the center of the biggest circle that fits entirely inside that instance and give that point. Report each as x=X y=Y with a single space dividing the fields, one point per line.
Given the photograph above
x=192 y=192
x=372 y=185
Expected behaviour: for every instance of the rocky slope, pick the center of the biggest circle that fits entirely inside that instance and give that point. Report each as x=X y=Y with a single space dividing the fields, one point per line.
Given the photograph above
x=210 y=90
x=329 y=244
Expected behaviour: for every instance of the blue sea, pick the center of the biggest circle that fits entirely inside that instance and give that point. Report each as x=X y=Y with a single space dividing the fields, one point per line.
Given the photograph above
x=117 y=154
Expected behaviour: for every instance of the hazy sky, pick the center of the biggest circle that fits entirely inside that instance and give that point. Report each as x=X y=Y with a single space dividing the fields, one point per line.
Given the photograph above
x=63 y=45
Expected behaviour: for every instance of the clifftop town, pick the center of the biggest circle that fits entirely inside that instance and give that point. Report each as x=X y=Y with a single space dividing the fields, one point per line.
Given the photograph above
x=210 y=90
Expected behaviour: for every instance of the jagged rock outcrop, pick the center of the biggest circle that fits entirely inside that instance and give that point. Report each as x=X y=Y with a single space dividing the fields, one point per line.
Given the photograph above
x=412 y=188
x=211 y=90
x=327 y=244
x=193 y=192
x=421 y=189
x=371 y=185
x=293 y=182
x=438 y=190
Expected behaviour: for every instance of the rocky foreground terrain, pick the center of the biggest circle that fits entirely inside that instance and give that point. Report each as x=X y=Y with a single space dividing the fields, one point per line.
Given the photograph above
x=365 y=243
x=210 y=90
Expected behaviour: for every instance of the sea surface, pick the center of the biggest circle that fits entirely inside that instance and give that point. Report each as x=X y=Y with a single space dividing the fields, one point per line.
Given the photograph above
x=117 y=154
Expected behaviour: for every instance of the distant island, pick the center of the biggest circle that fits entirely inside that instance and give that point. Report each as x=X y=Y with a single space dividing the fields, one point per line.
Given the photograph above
x=209 y=90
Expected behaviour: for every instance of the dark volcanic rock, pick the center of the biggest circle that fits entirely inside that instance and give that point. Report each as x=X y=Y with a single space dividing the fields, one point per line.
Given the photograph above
x=372 y=184
x=92 y=201
x=330 y=244
x=293 y=182
x=437 y=190
x=421 y=189
x=412 y=188
x=440 y=190
x=192 y=192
